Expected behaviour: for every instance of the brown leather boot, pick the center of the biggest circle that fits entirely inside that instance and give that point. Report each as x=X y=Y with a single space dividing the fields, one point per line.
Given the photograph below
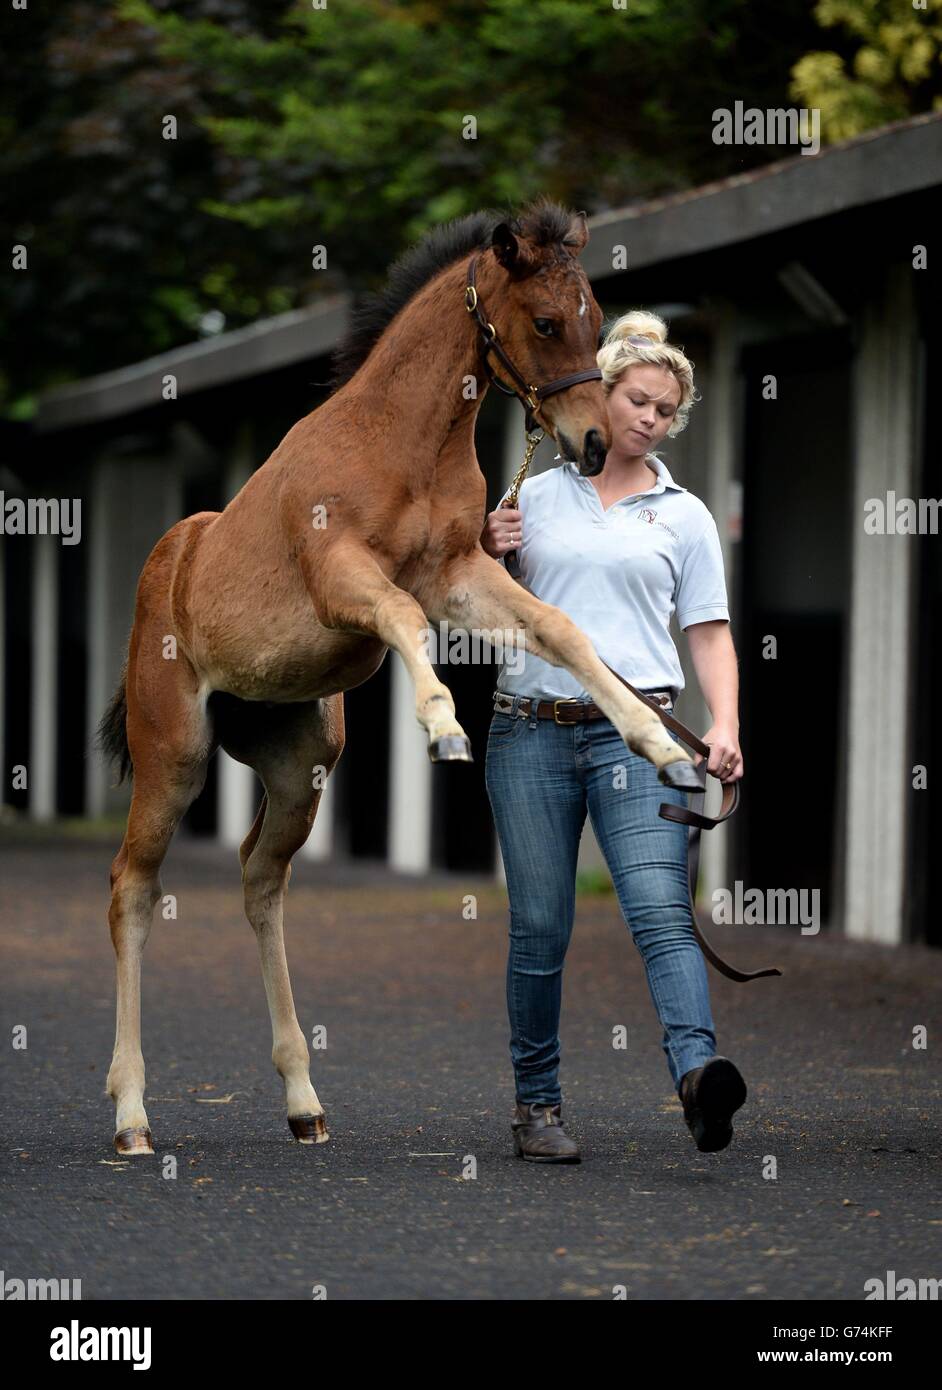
x=710 y=1095
x=539 y=1135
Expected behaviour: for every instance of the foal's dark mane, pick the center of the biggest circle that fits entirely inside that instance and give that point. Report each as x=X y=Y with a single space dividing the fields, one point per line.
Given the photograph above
x=543 y=222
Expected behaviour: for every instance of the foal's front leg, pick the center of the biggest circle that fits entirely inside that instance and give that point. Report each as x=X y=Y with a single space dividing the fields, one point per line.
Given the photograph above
x=479 y=593
x=351 y=593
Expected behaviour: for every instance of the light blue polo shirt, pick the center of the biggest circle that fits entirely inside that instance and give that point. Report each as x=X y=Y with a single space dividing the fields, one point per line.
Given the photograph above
x=619 y=574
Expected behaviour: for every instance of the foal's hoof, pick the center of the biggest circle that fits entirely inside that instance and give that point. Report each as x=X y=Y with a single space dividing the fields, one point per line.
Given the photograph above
x=682 y=775
x=451 y=748
x=309 y=1129
x=134 y=1141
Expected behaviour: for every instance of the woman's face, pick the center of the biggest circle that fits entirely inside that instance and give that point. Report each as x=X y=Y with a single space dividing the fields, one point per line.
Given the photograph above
x=641 y=408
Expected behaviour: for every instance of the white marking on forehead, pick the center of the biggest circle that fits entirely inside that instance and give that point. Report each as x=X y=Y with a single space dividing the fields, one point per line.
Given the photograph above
x=582 y=304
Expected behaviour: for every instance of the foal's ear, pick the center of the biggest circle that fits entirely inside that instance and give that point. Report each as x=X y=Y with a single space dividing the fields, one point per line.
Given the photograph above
x=512 y=251
x=578 y=233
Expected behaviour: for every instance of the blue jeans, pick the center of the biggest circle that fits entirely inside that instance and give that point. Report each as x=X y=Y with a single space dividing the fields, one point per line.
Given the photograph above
x=541 y=777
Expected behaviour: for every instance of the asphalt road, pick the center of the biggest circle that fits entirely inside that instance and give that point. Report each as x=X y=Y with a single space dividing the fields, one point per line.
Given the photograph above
x=415 y=1078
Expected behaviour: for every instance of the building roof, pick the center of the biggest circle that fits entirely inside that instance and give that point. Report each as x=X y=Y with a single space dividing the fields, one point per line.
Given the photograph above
x=879 y=165
x=882 y=164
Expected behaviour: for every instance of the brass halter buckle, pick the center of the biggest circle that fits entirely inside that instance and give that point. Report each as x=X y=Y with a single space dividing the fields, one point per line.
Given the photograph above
x=556 y=703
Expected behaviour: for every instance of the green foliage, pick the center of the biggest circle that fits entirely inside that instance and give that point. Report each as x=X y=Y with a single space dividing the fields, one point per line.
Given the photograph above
x=893 y=68
x=345 y=126
x=123 y=260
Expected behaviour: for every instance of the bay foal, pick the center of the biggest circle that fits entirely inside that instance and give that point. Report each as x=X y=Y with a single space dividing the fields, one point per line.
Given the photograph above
x=361 y=527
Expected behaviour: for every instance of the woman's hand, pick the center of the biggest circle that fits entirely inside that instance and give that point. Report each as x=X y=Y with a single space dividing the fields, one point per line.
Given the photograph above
x=724 y=748
x=503 y=531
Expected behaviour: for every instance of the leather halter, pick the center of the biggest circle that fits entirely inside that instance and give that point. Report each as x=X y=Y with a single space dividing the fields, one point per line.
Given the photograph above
x=530 y=397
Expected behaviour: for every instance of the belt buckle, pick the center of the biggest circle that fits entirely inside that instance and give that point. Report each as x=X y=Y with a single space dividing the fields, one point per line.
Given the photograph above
x=571 y=701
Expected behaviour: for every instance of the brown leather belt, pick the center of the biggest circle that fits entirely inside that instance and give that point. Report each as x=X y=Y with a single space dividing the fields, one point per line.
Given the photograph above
x=694 y=820
x=578 y=711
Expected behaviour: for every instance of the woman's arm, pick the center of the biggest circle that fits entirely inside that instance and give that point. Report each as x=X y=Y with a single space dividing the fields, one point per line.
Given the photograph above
x=714 y=659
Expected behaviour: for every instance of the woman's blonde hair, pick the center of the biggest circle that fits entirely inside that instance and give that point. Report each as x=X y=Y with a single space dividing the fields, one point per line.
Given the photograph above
x=640 y=338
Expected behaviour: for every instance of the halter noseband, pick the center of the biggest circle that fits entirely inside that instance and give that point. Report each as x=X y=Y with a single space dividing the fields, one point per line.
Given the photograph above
x=530 y=397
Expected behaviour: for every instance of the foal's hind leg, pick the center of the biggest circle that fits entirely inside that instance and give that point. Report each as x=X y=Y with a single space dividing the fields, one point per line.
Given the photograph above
x=285 y=744
x=170 y=743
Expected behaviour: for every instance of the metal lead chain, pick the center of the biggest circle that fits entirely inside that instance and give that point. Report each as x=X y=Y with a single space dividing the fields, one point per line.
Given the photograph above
x=533 y=439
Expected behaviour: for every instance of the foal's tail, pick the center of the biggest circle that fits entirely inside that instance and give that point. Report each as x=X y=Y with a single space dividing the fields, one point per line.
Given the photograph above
x=112 y=736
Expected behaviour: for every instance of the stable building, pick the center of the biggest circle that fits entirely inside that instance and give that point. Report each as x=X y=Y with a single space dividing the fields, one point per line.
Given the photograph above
x=806 y=293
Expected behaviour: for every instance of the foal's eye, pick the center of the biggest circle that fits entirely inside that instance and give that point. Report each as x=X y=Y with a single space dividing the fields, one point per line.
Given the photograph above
x=544 y=327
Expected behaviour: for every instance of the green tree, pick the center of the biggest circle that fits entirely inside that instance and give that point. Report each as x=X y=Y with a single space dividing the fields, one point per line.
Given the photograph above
x=894 y=70
x=358 y=114
x=345 y=126
x=122 y=259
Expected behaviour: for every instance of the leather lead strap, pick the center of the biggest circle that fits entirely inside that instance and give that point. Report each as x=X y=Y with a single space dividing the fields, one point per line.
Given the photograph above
x=695 y=822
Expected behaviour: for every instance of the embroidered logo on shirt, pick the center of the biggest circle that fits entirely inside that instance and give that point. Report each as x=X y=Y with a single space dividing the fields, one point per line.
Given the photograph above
x=646 y=514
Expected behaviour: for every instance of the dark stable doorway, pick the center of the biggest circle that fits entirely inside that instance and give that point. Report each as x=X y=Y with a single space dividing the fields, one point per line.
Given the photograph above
x=924 y=923
x=796 y=585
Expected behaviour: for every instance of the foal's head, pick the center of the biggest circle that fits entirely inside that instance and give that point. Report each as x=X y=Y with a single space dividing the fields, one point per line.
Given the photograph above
x=548 y=321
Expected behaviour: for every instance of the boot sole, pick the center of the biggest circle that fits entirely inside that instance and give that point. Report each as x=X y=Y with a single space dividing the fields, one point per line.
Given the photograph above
x=720 y=1093
x=546 y=1158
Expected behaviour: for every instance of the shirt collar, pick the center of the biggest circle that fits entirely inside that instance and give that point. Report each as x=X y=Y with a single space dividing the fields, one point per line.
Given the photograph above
x=664 y=479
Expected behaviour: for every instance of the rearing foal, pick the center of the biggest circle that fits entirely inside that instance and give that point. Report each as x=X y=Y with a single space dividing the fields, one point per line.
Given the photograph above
x=361 y=527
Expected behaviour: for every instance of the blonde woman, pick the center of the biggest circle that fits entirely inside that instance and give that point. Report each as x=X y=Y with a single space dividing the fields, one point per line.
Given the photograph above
x=619 y=553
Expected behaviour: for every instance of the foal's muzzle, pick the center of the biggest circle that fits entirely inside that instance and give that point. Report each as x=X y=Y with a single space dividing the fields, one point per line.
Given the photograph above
x=591 y=457
x=594 y=454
